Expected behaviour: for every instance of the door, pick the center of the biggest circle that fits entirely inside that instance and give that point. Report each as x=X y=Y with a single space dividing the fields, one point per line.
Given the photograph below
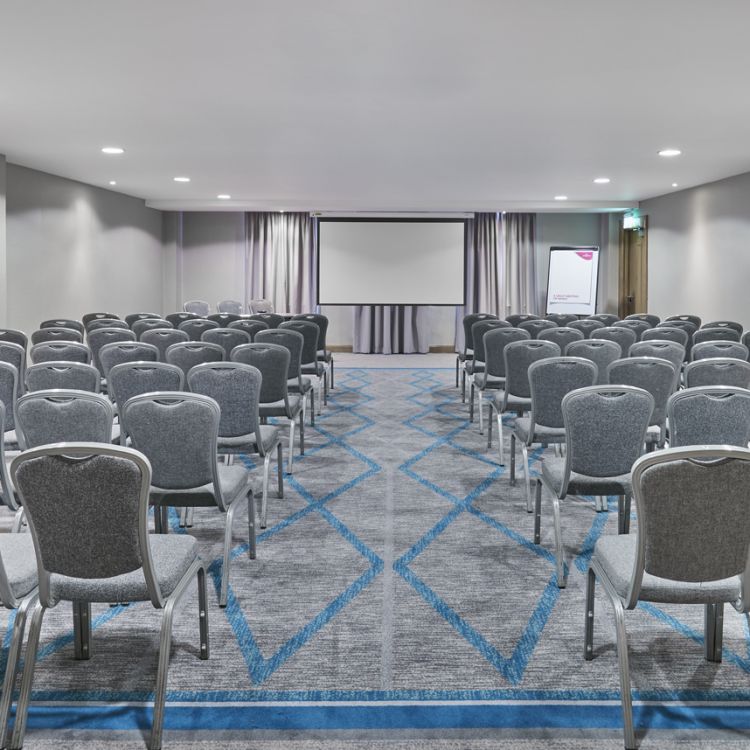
x=633 y=269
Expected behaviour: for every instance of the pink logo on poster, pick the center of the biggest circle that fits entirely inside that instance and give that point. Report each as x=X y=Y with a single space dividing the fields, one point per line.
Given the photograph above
x=585 y=254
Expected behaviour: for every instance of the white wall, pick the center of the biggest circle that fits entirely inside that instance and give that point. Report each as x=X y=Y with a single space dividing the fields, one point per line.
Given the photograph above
x=699 y=251
x=3 y=245
x=74 y=248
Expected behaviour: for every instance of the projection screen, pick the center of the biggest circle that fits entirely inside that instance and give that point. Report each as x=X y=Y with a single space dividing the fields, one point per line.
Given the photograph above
x=390 y=261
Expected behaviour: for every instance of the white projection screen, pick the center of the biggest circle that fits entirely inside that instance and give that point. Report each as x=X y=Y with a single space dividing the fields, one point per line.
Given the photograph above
x=390 y=261
x=572 y=280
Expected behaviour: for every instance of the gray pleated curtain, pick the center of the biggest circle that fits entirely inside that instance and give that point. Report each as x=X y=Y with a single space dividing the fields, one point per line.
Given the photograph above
x=390 y=329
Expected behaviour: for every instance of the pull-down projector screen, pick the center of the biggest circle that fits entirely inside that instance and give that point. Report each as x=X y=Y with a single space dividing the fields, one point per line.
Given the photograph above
x=391 y=261
x=572 y=280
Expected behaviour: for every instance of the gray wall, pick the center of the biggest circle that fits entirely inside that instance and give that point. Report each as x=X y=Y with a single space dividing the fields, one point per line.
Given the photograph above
x=3 y=245
x=699 y=251
x=74 y=248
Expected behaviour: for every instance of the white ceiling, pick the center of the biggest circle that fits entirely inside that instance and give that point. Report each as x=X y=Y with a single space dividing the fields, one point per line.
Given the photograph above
x=378 y=104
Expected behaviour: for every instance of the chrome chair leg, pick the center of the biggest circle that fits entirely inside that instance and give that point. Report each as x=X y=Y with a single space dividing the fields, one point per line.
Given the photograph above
x=227 y=556
x=290 y=458
x=538 y=513
x=527 y=477
x=264 y=501
x=559 y=555
x=251 y=542
x=588 y=638
x=82 y=630
x=280 y=468
x=714 y=631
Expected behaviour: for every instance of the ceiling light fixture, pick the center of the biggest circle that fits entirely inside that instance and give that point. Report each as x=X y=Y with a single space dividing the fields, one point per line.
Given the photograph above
x=561 y=197
x=112 y=182
x=674 y=184
x=223 y=197
x=181 y=179
x=601 y=180
x=670 y=152
x=113 y=150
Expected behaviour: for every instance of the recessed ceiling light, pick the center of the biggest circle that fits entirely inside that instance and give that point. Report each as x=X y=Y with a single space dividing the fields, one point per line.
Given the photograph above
x=113 y=150
x=223 y=197
x=112 y=182
x=561 y=197
x=674 y=184
x=182 y=179
x=601 y=180
x=670 y=152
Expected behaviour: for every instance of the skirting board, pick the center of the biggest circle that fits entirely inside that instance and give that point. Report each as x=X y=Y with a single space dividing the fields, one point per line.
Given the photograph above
x=447 y=348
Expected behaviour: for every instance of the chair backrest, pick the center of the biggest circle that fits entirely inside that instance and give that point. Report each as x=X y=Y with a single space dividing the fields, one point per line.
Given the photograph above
x=227 y=338
x=65 y=351
x=725 y=349
x=669 y=350
x=251 y=327
x=561 y=336
x=223 y=319
x=260 y=306
x=97 y=339
x=694 y=320
x=606 y=319
x=657 y=376
x=67 y=375
x=180 y=317
x=599 y=351
x=134 y=378
x=519 y=356
x=717 y=371
x=322 y=322
x=63 y=323
x=550 y=381
x=709 y=415
x=652 y=320
x=9 y=387
x=292 y=340
x=10 y=335
x=118 y=352
x=494 y=342
x=14 y=354
x=623 y=337
x=163 y=338
x=468 y=322
x=517 y=318
x=188 y=354
x=178 y=434
x=638 y=327
x=535 y=326
x=311 y=333
x=236 y=389
x=725 y=324
x=668 y=333
x=693 y=520
x=64 y=416
x=686 y=325
x=6 y=488
x=197 y=307
x=605 y=428
x=230 y=306
x=98 y=323
x=194 y=328
x=586 y=326
x=716 y=333
x=133 y=317
x=88 y=317
x=561 y=319
x=56 y=334
x=479 y=330
x=107 y=486
x=272 y=361
x=271 y=319
x=149 y=324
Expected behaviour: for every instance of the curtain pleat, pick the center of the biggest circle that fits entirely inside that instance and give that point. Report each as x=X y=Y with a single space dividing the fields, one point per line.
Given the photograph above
x=390 y=329
x=519 y=240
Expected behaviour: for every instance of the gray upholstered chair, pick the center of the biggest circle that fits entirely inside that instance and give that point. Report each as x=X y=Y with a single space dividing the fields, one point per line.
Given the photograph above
x=120 y=352
x=226 y=338
x=668 y=333
x=88 y=317
x=99 y=323
x=715 y=333
x=517 y=318
x=15 y=355
x=251 y=327
x=692 y=546
x=693 y=320
x=669 y=350
x=133 y=317
x=605 y=427
x=686 y=325
x=196 y=327
x=69 y=375
x=561 y=319
x=475 y=364
x=271 y=319
x=224 y=319
x=191 y=353
x=492 y=376
x=9 y=392
x=180 y=317
x=233 y=306
x=550 y=380
x=516 y=393
x=623 y=337
x=638 y=327
x=311 y=366
x=6 y=487
x=652 y=320
x=14 y=337
x=587 y=326
x=725 y=349
x=599 y=351
x=724 y=324
x=197 y=307
x=324 y=356
x=272 y=361
x=468 y=351
x=64 y=351
x=149 y=324
x=659 y=378
x=163 y=338
x=534 y=327
x=110 y=558
x=63 y=323
x=178 y=434
x=64 y=416
x=260 y=305
x=746 y=339
x=56 y=334
x=561 y=336
x=236 y=389
x=97 y=339
x=606 y=319
x=709 y=415
x=717 y=371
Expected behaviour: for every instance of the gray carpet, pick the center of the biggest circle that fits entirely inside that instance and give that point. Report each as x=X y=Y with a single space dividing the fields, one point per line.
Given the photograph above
x=398 y=567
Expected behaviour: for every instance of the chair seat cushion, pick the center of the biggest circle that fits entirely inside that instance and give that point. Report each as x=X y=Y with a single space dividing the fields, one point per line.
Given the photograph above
x=278 y=408
x=19 y=560
x=541 y=434
x=294 y=387
x=234 y=480
x=314 y=368
x=616 y=557
x=515 y=403
x=269 y=436
x=172 y=555
x=472 y=366
x=325 y=357
x=553 y=473
x=483 y=380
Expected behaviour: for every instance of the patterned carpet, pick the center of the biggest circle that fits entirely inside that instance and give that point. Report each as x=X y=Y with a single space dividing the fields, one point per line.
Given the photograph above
x=396 y=588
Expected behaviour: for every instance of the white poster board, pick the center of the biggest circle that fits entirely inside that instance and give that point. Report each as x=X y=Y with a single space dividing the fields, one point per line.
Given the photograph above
x=572 y=280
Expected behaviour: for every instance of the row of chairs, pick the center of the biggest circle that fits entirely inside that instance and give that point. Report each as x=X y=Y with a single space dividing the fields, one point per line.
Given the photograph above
x=203 y=308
